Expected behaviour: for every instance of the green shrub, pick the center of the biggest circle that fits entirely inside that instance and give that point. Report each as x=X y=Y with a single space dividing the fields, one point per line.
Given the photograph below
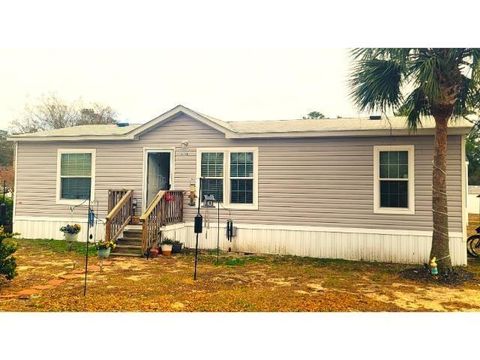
x=9 y=213
x=7 y=261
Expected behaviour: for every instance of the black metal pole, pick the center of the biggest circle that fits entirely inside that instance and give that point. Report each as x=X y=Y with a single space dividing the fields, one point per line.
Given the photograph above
x=218 y=228
x=86 y=253
x=196 y=241
x=196 y=259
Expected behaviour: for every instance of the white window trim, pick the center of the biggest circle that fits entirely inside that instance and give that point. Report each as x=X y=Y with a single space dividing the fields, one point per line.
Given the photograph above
x=411 y=179
x=59 y=182
x=226 y=175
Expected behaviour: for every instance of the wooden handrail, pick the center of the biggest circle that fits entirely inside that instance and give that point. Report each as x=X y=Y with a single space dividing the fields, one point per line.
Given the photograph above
x=119 y=217
x=152 y=205
x=119 y=205
x=114 y=196
x=166 y=208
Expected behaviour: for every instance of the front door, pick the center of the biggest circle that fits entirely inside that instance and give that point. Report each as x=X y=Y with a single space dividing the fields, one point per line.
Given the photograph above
x=157 y=174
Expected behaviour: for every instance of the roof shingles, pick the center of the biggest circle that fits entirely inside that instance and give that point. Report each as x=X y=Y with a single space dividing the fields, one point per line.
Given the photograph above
x=243 y=128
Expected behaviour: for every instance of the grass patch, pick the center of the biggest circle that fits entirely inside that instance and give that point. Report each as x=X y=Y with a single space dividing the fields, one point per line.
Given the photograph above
x=240 y=282
x=58 y=246
x=234 y=262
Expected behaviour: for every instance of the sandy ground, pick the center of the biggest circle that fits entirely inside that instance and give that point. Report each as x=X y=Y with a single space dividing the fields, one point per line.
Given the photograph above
x=52 y=280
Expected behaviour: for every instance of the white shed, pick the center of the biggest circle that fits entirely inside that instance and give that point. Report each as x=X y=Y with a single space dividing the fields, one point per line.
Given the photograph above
x=473 y=201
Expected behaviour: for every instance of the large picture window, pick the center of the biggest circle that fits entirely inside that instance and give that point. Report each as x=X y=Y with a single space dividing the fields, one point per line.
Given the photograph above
x=394 y=188
x=75 y=175
x=230 y=175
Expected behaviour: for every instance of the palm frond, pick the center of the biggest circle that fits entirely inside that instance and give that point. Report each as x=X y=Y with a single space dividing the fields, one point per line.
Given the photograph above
x=394 y=54
x=474 y=65
x=423 y=68
x=376 y=84
x=466 y=98
x=414 y=107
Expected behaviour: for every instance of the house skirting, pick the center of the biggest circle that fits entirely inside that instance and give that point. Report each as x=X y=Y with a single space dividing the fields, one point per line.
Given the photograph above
x=410 y=247
x=33 y=227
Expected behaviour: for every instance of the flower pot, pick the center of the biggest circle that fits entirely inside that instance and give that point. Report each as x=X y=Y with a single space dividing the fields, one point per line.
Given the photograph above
x=154 y=252
x=177 y=248
x=166 y=250
x=70 y=237
x=104 y=253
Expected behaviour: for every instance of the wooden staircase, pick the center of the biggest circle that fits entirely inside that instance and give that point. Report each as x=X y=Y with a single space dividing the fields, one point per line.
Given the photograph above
x=131 y=242
x=136 y=240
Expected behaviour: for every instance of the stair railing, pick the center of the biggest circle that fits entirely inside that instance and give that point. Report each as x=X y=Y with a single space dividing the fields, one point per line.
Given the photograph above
x=114 y=196
x=166 y=208
x=119 y=217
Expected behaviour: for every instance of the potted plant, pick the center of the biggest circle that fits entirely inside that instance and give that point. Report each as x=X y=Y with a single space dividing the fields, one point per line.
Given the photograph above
x=153 y=251
x=177 y=247
x=104 y=248
x=70 y=232
x=166 y=246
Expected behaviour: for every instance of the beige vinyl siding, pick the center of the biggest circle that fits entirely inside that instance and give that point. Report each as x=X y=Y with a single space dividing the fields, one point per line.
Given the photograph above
x=302 y=181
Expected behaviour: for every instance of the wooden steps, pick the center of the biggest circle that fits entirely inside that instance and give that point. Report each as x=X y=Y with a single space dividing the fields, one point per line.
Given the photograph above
x=122 y=225
x=131 y=243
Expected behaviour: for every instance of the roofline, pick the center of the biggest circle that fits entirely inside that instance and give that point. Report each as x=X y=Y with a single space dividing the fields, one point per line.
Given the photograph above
x=348 y=133
x=69 y=138
x=138 y=131
x=232 y=135
x=225 y=128
x=179 y=109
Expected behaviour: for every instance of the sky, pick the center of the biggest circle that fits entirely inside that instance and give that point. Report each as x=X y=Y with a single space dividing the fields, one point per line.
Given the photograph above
x=140 y=84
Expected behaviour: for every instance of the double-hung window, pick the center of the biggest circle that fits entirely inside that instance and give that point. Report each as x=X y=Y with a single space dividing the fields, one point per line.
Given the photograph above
x=230 y=175
x=394 y=179
x=212 y=173
x=75 y=175
x=241 y=178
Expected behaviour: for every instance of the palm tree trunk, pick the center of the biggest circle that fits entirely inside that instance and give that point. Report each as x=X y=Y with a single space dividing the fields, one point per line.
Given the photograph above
x=440 y=242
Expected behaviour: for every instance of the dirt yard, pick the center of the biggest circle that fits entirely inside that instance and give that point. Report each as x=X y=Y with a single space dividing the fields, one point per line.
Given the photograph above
x=51 y=279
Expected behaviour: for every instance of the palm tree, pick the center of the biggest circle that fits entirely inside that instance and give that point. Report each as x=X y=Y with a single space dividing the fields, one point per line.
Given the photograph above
x=442 y=83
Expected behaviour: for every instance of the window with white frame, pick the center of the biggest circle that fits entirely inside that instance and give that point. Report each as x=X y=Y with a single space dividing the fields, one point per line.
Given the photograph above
x=241 y=177
x=212 y=174
x=394 y=184
x=230 y=175
x=75 y=175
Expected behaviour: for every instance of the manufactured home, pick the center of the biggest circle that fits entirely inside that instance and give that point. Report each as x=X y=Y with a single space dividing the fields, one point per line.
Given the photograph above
x=349 y=188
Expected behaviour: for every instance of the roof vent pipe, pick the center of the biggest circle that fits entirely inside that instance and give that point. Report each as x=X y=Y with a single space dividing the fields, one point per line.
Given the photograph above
x=375 y=117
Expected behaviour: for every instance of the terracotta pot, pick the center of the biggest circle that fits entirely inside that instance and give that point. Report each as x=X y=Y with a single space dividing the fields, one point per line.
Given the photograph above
x=154 y=252
x=166 y=250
